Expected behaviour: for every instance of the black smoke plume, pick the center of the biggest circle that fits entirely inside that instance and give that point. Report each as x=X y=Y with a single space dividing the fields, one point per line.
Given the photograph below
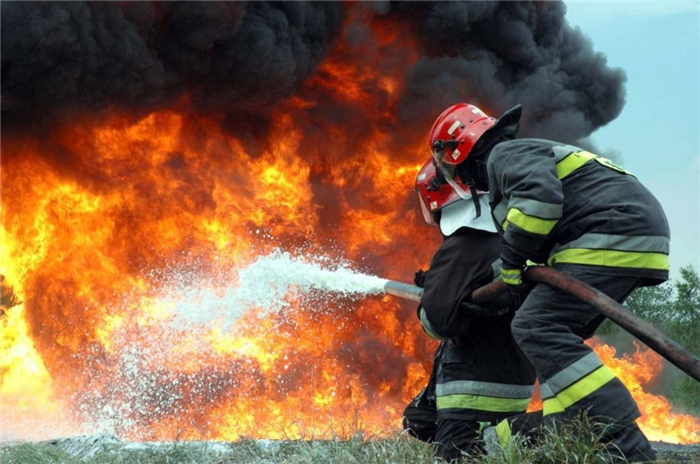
x=236 y=60
x=229 y=58
x=499 y=54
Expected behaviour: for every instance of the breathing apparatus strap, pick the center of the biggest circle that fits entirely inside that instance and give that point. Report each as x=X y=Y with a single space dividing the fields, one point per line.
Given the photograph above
x=475 y=197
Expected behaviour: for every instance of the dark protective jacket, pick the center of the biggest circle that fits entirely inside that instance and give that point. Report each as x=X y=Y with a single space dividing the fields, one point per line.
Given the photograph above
x=567 y=207
x=482 y=375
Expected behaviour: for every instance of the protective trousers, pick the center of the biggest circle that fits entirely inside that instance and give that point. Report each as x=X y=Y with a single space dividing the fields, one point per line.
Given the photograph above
x=420 y=417
x=456 y=438
x=452 y=438
x=550 y=328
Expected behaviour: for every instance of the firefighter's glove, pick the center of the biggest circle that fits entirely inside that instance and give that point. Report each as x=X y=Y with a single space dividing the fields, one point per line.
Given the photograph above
x=476 y=310
x=419 y=277
x=513 y=266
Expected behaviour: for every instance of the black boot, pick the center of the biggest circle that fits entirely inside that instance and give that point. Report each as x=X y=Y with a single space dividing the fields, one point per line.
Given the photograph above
x=629 y=442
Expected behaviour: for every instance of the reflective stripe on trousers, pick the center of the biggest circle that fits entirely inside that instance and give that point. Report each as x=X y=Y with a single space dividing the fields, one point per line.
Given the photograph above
x=550 y=327
x=574 y=383
x=483 y=396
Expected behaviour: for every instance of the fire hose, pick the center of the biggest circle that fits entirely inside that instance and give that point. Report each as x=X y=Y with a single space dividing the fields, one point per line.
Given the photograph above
x=645 y=332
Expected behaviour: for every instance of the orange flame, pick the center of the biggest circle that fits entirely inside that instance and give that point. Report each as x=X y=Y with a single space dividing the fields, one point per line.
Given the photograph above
x=637 y=371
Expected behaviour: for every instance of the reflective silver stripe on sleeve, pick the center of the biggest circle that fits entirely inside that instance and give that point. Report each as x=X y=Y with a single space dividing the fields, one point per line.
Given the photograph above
x=574 y=372
x=545 y=391
x=538 y=209
x=562 y=151
x=643 y=243
x=496 y=268
x=426 y=325
x=472 y=387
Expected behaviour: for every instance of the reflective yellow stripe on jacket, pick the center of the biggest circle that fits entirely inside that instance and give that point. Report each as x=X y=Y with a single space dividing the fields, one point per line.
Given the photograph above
x=531 y=224
x=638 y=252
x=534 y=216
x=570 y=158
x=512 y=276
x=572 y=162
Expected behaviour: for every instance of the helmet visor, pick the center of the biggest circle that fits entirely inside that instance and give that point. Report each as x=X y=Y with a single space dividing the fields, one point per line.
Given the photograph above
x=449 y=172
x=427 y=215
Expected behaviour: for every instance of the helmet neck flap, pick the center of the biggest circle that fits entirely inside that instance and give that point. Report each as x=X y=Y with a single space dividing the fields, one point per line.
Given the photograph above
x=505 y=129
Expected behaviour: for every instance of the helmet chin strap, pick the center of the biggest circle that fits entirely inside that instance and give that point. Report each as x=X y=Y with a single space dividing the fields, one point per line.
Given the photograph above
x=475 y=197
x=473 y=173
x=481 y=177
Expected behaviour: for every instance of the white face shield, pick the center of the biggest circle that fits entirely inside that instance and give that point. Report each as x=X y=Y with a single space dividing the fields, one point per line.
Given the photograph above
x=427 y=215
x=462 y=213
x=449 y=172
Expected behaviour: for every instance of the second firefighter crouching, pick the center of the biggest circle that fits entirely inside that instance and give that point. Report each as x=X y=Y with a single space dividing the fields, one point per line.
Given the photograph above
x=480 y=376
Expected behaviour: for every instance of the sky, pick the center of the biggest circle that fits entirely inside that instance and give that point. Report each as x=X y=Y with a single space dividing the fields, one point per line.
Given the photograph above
x=657 y=135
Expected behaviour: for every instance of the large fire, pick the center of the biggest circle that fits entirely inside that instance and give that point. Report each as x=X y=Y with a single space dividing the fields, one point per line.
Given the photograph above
x=104 y=223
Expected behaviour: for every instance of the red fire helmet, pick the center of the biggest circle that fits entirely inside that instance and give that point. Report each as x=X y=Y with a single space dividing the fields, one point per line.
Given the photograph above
x=432 y=193
x=457 y=130
x=452 y=138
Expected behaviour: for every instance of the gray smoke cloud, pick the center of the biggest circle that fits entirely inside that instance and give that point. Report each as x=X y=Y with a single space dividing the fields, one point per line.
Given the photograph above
x=63 y=58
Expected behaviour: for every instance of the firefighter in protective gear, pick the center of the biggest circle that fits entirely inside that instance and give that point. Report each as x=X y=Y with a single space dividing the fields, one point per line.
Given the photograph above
x=480 y=376
x=565 y=207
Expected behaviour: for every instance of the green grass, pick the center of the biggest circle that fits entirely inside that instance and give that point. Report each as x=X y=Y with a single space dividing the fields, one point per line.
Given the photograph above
x=401 y=449
x=564 y=446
